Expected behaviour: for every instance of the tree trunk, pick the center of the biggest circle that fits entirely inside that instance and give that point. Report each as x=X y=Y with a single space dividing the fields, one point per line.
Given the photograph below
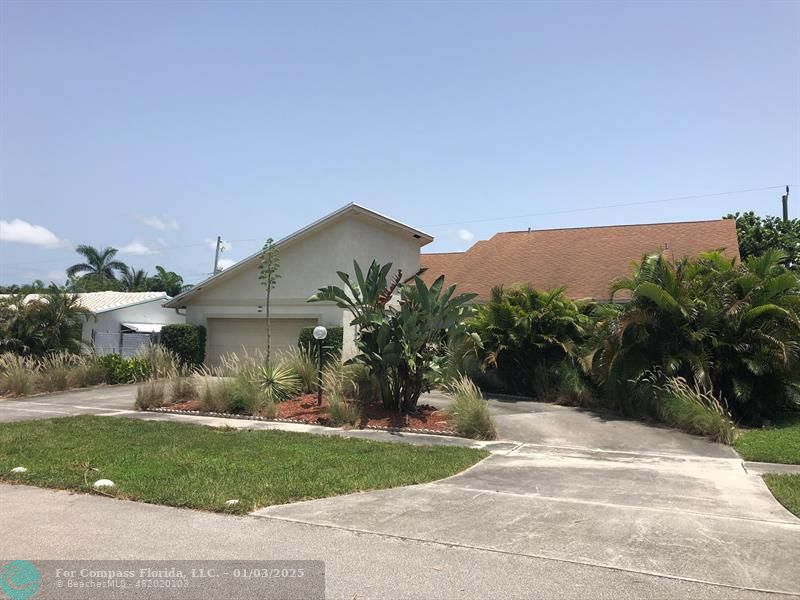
x=268 y=325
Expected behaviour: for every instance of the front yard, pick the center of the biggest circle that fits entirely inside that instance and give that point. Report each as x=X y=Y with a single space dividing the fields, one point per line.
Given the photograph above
x=203 y=467
x=778 y=444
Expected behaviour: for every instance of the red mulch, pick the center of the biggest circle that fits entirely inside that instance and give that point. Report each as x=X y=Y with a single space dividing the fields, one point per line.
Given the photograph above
x=304 y=408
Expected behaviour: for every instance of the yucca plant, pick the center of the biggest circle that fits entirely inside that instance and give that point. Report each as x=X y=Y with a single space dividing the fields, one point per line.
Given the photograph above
x=277 y=382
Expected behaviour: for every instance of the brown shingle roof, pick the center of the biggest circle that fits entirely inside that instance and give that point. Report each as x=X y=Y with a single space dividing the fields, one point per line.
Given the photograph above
x=584 y=260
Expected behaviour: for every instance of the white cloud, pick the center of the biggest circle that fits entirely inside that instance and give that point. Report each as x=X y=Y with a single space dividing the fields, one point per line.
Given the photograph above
x=224 y=263
x=212 y=244
x=160 y=223
x=140 y=248
x=465 y=235
x=21 y=232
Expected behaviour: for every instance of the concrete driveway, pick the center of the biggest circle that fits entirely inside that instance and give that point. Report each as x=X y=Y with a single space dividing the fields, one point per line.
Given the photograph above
x=591 y=489
x=107 y=400
x=583 y=505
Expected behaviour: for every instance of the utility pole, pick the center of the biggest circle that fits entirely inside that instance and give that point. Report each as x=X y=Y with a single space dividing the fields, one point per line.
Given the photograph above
x=785 y=199
x=216 y=255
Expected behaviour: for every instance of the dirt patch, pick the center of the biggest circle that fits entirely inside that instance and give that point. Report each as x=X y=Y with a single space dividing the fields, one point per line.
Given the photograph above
x=304 y=408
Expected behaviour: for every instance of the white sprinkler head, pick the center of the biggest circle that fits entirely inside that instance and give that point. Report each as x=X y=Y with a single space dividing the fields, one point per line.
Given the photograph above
x=231 y=502
x=19 y=470
x=103 y=483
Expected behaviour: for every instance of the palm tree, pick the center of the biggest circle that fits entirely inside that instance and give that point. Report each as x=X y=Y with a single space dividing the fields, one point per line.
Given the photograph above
x=167 y=281
x=100 y=264
x=135 y=280
x=524 y=330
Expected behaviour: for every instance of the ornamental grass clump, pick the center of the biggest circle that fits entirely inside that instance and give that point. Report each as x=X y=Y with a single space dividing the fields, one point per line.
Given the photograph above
x=302 y=362
x=469 y=412
x=151 y=394
x=18 y=375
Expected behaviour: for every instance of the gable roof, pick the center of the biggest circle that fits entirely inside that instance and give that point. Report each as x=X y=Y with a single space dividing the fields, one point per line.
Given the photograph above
x=100 y=302
x=346 y=210
x=584 y=260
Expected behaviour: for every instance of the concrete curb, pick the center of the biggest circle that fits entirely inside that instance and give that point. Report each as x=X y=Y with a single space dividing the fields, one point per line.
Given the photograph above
x=762 y=468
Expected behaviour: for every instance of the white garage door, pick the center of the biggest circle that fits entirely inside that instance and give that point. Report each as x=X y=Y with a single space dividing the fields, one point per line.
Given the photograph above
x=226 y=336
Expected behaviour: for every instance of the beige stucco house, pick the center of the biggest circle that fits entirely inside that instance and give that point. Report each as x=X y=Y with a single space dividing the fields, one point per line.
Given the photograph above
x=231 y=304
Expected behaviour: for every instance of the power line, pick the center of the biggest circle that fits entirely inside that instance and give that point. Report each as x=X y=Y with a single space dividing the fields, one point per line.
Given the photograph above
x=604 y=206
x=483 y=220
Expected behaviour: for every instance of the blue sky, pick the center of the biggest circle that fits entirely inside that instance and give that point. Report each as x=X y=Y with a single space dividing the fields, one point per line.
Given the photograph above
x=154 y=127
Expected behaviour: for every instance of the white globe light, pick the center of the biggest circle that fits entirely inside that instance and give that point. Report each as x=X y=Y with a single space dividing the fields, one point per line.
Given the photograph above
x=320 y=333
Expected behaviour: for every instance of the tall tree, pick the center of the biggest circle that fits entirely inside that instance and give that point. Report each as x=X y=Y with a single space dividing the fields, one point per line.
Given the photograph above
x=100 y=264
x=758 y=234
x=268 y=275
x=167 y=281
x=135 y=280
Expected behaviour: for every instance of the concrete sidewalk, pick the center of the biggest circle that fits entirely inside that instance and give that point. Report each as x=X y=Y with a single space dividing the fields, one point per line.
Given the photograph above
x=45 y=524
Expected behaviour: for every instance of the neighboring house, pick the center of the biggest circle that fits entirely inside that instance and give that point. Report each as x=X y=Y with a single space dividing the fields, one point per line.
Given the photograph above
x=231 y=304
x=583 y=260
x=122 y=322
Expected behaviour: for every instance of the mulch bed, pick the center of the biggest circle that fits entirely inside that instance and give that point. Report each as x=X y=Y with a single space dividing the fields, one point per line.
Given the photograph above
x=304 y=409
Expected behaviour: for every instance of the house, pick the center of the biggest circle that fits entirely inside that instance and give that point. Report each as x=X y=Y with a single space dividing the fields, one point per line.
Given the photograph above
x=584 y=260
x=231 y=304
x=122 y=322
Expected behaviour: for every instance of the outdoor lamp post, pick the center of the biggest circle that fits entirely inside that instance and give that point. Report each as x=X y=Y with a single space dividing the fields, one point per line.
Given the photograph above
x=320 y=333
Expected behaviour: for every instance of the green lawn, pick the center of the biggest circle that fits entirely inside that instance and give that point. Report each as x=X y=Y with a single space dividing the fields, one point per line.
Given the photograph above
x=786 y=488
x=778 y=444
x=202 y=467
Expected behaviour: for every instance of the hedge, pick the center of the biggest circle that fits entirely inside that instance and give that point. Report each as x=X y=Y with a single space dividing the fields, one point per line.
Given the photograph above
x=332 y=344
x=187 y=342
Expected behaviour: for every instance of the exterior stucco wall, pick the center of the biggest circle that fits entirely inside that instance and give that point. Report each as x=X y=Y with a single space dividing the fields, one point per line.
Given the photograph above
x=307 y=264
x=147 y=312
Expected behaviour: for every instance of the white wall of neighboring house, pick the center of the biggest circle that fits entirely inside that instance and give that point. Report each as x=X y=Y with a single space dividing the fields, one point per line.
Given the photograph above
x=307 y=262
x=103 y=330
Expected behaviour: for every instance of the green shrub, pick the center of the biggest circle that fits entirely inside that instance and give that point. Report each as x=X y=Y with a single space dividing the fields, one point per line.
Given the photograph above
x=186 y=341
x=151 y=394
x=562 y=383
x=331 y=345
x=18 y=375
x=124 y=370
x=469 y=413
x=522 y=329
x=304 y=364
